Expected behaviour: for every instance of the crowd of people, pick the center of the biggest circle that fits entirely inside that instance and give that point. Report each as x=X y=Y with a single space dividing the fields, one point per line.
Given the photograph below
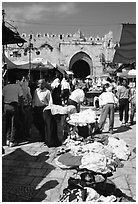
x=23 y=106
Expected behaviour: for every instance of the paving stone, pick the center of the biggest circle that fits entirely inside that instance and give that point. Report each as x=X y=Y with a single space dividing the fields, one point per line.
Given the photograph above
x=5 y=177
x=37 y=172
x=40 y=194
x=124 y=171
x=133 y=189
x=131 y=179
x=121 y=182
x=127 y=192
x=24 y=180
x=57 y=173
x=20 y=171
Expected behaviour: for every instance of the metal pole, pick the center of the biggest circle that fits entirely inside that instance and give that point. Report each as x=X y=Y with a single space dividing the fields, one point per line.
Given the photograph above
x=3 y=46
x=3 y=23
x=29 y=75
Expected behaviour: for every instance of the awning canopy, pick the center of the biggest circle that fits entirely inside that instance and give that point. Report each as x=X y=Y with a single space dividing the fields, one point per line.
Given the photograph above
x=35 y=65
x=126 y=52
x=125 y=66
x=10 y=37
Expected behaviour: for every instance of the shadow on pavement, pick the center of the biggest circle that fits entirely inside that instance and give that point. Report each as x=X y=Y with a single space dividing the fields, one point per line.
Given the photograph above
x=122 y=129
x=22 y=174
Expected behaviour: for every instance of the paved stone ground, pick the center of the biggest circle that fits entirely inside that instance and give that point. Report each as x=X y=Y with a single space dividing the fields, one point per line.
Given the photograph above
x=29 y=172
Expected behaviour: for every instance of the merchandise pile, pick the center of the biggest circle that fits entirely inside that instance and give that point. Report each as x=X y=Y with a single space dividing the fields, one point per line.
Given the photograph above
x=94 y=159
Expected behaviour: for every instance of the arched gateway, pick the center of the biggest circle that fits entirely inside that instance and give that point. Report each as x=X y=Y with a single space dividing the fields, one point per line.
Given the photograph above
x=81 y=65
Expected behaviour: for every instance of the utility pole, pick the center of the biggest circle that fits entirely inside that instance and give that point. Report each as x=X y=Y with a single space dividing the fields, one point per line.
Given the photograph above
x=3 y=23
x=30 y=47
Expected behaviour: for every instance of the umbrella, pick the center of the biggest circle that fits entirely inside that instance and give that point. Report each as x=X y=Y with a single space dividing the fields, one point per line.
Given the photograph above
x=126 y=75
x=69 y=72
x=90 y=77
x=132 y=72
x=105 y=75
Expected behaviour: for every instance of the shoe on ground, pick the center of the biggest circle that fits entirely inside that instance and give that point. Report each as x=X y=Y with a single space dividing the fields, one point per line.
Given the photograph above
x=8 y=142
x=13 y=144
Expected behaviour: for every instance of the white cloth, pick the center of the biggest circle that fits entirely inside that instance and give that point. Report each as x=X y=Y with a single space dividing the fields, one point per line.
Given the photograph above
x=77 y=95
x=119 y=148
x=42 y=97
x=57 y=109
x=95 y=162
x=12 y=92
x=55 y=83
x=83 y=118
x=107 y=97
x=64 y=84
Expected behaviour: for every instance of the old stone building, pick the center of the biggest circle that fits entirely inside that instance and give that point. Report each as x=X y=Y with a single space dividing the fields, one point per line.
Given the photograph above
x=75 y=52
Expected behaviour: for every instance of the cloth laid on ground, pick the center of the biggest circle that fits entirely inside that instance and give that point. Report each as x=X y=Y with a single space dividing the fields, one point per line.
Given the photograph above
x=57 y=109
x=78 y=148
x=82 y=118
x=95 y=162
x=119 y=148
x=91 y=161
x=93 y=196
x=94 y=156
x=70 y=160
x=74 y=195
x=86 y=194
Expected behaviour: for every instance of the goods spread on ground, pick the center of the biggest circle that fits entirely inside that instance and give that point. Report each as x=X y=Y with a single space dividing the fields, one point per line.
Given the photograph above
x=94 y=159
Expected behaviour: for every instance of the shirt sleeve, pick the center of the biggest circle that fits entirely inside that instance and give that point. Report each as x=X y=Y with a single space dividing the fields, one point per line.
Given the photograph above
x=100 y=100
x=49 y=98
x=115 y=99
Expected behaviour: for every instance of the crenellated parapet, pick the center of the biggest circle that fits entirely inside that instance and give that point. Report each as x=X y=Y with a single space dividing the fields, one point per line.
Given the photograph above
x=60 y=48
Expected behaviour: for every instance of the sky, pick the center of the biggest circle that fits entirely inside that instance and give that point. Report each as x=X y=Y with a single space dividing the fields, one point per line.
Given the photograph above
x=92 y=18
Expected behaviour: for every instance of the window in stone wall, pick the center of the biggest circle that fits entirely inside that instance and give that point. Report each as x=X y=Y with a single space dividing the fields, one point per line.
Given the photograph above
x=60 y=36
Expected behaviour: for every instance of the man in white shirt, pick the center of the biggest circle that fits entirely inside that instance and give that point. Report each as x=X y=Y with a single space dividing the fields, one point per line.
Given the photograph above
x=12 y=98
x=42 y=98
x=107 y=100
x=65 y=88
x=76 y=98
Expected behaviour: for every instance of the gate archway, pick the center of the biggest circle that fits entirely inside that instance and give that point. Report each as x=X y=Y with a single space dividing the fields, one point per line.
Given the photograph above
x=81 y=65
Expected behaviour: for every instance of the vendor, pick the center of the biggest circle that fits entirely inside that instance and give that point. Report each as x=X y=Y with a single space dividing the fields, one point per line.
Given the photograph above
x=77 y=97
